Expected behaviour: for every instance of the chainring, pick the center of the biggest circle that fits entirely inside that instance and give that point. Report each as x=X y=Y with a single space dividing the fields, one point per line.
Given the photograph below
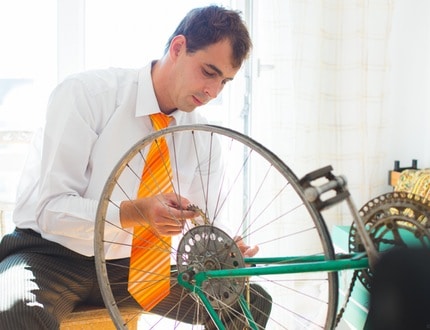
x=396 y=219
x=205 y=248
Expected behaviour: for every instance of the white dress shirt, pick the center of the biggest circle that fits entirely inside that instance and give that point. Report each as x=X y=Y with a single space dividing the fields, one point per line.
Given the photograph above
x=93 y=119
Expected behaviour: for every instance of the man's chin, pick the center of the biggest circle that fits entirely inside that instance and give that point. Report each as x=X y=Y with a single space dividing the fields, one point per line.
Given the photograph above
x=188 y=109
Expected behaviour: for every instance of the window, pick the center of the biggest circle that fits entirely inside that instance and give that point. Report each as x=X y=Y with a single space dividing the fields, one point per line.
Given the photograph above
x=44 y=41
x=130 y=34
x=27 y=74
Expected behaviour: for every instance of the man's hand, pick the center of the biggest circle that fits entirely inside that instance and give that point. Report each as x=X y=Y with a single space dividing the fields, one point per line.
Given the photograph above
x=247 y=251
x=166 y=214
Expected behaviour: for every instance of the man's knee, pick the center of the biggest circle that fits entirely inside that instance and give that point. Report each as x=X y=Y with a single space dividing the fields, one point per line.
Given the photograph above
x=20 y=304
x=24 y=315
x=261 y=305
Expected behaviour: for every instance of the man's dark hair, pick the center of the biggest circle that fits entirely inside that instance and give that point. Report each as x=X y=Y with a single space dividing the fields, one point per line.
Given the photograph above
x=205 y=26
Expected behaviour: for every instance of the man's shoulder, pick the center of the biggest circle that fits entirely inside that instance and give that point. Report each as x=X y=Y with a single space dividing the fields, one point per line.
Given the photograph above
x=104 y=75
x=98 y=80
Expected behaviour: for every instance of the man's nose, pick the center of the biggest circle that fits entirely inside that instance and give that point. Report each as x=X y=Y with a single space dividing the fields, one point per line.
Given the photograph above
x=214 y=88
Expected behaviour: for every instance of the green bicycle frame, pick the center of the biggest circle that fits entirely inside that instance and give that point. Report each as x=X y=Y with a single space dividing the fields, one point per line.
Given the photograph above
x=270 y=266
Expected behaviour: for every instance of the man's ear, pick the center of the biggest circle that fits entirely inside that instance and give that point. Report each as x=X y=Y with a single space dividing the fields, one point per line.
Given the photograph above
x=177 y=45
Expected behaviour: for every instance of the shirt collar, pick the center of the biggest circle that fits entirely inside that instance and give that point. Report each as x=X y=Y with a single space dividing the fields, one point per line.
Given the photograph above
x=146 y=102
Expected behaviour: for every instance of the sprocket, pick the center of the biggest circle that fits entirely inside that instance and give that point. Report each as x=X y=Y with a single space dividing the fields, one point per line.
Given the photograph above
x=205 y=248
x=396 y=219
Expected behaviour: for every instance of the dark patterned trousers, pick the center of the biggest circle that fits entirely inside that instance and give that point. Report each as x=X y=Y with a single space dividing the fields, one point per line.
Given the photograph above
x=41 y=282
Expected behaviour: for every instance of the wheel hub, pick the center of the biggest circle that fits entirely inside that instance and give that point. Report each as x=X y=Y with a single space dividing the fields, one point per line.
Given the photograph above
x=206 y=248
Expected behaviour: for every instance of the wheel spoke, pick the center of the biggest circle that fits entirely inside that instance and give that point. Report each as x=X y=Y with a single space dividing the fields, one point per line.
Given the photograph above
x=242 y=189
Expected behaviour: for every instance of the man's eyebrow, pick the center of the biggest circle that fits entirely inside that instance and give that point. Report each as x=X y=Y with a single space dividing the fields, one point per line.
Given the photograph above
x=218 y=71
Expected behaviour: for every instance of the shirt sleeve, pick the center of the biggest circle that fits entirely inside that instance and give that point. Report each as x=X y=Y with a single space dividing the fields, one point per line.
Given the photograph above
x=74 y=118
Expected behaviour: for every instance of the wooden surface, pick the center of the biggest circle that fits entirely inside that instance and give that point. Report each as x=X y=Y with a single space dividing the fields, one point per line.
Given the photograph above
x=97 y=318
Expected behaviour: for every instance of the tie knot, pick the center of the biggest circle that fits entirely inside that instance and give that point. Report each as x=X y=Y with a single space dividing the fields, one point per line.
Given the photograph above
x=160 y=120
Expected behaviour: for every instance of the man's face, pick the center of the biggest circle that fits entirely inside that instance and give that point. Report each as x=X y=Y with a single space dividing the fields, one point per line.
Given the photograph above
x=202 y=75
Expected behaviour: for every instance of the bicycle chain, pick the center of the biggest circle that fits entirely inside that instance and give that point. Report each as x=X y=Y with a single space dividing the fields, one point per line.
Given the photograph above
x=347 y=297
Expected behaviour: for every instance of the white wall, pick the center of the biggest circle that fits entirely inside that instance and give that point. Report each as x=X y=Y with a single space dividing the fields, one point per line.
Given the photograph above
x=410 y=83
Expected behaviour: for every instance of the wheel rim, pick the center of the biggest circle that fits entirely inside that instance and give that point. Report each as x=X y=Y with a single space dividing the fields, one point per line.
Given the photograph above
x=259 y=198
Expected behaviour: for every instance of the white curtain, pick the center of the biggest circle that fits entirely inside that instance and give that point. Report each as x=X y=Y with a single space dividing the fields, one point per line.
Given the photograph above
x=322 y=69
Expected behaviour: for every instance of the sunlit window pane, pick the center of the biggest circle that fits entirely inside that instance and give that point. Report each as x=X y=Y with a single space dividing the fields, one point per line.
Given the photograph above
x=130 y=33
x=27 y=74
x=44 y=41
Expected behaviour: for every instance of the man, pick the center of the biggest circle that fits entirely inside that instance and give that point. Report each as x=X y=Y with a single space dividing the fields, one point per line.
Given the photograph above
x=93 y=118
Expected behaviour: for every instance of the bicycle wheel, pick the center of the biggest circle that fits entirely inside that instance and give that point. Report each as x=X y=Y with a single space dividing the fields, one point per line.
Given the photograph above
x=244 y=190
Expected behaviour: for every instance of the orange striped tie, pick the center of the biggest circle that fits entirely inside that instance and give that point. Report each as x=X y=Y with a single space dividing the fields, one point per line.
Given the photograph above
x=150 y=252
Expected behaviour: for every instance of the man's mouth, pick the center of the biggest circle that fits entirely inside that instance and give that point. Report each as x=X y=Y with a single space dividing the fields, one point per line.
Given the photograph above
x=197 y=101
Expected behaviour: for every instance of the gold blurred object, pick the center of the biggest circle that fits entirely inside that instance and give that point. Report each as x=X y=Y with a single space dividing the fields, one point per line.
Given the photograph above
x=197 y=209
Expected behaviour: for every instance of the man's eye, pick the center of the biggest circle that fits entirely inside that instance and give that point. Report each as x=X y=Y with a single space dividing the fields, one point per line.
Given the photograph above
x=207 y=73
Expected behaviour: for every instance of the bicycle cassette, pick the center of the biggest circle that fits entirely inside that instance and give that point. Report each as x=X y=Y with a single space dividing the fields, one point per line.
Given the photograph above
x=205 y=248
x=397 y=219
